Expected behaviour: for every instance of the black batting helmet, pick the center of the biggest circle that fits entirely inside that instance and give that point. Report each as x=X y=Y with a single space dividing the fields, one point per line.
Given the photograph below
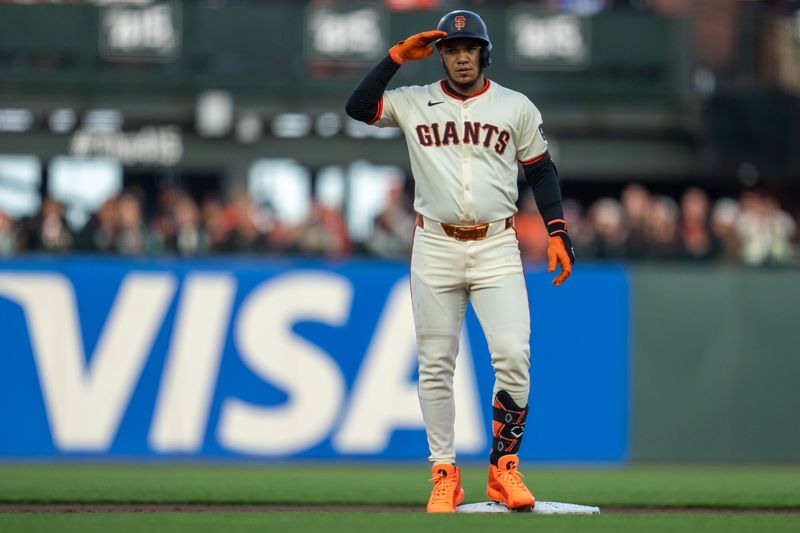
x=467 y=25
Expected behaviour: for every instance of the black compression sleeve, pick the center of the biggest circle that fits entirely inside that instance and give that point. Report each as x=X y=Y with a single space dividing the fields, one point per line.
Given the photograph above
x=363 y=103
x=542 y=176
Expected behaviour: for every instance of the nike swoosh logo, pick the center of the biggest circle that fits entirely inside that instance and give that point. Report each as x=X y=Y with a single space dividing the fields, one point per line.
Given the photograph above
x=432 y=103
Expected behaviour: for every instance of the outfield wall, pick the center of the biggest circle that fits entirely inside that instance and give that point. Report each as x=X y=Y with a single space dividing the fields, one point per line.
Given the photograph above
x=227 y=358
x=715 y=364
x=244 y=358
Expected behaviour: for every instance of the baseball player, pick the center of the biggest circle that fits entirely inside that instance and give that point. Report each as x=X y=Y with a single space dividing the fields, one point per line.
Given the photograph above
x=466 y=138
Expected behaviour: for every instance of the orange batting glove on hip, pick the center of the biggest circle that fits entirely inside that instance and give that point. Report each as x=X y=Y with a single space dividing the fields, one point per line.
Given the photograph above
x=415 y=47
x=560 y=250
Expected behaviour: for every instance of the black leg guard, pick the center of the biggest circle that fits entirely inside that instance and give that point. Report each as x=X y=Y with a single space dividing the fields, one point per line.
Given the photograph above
x=507 y=427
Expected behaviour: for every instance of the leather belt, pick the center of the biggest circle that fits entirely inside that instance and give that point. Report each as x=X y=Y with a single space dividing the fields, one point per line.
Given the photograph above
x=466 y=233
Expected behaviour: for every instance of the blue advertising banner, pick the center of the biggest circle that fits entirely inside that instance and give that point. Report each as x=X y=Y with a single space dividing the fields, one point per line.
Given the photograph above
x=226 y=358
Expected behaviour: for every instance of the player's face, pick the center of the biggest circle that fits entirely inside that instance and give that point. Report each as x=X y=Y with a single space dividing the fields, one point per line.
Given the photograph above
x=462 y=63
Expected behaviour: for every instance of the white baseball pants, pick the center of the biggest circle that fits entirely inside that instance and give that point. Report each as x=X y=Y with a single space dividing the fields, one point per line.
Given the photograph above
x=445 y=274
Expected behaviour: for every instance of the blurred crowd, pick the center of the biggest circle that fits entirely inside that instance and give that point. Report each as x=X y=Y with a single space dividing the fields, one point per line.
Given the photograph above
x=176 y=224
x=752 y=229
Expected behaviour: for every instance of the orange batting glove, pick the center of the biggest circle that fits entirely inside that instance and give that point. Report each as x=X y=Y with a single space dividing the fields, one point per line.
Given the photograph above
x=560 y=250
x=415 y=47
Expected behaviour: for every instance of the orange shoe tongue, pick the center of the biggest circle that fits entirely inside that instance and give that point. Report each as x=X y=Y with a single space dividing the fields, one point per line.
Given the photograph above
x=444 y=469
x=507 y=462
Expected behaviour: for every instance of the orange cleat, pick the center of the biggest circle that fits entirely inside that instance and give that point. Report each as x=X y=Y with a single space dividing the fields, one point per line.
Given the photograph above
x=505 y=485
x=447 y=491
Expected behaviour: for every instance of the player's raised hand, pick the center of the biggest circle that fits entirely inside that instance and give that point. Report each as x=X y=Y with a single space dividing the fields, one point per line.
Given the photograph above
x=415 y=47
x=559 y=250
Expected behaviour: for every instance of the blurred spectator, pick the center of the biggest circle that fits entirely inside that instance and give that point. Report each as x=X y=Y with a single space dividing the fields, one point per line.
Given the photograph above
x=764 y=229
x=249 y=227
x=607 y=217
x=162 y=226
x=132 y=236
x=190 y=237
x=8 y=235
x=322 y=233
x=696 y=237
x=48 y=231
x=99 y=233
x=635 y=203
x=661 y=229
x=723 y=227
x=393 y=227
x=213 y=215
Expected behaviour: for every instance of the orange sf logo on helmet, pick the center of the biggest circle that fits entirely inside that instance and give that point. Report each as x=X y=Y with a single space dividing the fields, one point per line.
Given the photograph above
x=460 y=22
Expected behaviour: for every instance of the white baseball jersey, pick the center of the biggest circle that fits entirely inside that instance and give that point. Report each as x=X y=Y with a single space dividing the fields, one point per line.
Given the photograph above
x=464 y=153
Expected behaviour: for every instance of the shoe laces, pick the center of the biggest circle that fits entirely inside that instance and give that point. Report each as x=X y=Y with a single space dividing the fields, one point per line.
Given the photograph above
x=443 y=486
x=511 y=476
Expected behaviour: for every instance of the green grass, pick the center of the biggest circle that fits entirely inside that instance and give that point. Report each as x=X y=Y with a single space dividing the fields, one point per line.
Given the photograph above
x=742 y=490
x=394 y=523
x=730 y=487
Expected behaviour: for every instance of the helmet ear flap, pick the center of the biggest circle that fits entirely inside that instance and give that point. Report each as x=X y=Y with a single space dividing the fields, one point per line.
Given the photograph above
x=486 y=55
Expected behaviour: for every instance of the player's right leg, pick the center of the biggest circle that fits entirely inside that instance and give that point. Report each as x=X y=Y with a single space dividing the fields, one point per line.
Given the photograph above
x=439 y=301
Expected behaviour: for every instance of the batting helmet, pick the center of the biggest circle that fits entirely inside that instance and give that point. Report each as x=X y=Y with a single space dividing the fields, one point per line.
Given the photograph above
x=467 y=25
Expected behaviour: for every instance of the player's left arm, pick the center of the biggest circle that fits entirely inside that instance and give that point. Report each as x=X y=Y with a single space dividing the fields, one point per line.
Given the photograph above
x=542 y=176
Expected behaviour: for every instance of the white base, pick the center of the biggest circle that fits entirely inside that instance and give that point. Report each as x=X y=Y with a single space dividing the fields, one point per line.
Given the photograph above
x=539 y=508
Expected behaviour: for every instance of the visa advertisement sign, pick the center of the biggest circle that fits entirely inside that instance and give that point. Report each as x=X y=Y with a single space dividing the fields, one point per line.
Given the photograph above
x=225 y=358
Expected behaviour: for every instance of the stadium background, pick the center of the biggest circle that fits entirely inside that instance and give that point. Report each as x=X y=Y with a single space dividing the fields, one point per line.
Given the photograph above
x=203 y=258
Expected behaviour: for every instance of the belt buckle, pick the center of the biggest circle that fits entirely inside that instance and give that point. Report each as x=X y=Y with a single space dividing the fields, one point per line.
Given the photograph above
x=470 y=233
